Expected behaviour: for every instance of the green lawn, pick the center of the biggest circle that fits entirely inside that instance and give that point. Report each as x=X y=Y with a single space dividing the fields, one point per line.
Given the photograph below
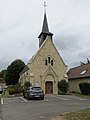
x=80 y=95
x=77 y=115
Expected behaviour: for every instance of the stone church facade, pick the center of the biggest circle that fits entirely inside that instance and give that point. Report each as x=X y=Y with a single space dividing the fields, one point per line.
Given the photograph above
x=46 y=67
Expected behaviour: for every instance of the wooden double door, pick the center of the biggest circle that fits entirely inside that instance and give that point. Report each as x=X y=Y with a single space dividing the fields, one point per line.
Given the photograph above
x=49 y=87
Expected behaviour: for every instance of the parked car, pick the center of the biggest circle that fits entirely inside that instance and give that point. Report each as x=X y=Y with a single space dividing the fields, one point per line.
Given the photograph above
x=1 y=89
x=33 y=93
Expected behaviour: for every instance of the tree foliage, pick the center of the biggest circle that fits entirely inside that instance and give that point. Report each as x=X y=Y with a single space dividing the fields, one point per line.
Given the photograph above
x=27 y=84
x=2 y=73
x=13 y=71
x=63 y=87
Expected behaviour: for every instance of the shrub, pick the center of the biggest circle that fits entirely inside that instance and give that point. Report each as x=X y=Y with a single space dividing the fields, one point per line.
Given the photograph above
x=63 y=87
x=20 y=89
x=85 y=88
x=15 y=89
x=11 y=91
x=27 y=84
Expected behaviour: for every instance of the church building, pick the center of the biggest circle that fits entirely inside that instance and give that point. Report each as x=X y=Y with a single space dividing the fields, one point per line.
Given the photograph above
x=46 y=67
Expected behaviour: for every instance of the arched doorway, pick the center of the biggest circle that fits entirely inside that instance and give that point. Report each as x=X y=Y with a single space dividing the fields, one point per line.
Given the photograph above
x=49 y=87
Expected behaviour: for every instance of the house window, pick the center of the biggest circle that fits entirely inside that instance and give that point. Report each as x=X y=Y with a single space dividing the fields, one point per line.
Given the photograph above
x=83 y=72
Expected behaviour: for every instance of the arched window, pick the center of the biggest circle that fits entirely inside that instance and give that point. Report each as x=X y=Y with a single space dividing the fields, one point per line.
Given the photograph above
x=52 y=62
x=46 y=62
x=49 y=61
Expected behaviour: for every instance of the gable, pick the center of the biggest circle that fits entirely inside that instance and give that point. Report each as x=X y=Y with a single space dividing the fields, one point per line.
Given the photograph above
x=48 y=52
x=24 y=70
x=49 y=49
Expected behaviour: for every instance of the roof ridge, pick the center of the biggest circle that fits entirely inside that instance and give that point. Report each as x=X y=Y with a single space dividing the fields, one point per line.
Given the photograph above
x=78 y=66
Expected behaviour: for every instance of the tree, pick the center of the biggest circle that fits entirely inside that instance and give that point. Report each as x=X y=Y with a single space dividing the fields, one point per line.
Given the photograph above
x=13 y=71
x=2 y=73
x=63 y=87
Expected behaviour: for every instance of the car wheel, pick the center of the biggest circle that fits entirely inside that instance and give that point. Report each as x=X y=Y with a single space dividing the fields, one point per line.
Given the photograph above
x=23 y=95
x=28 y=97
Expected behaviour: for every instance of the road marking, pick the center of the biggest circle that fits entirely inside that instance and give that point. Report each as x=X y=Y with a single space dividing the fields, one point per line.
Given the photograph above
x=62 y=98
x=59 y=97
x=23 y=99
x=47 y=99
x=77 y=98
x=82 y=99
x=2 y=101
x=42 y=117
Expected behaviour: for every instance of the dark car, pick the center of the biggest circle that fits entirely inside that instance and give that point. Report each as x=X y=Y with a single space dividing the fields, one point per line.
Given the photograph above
x=34 y=93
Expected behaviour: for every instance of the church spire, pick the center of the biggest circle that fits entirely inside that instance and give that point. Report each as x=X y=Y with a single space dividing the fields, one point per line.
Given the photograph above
x=45 y=30
x=45 y=24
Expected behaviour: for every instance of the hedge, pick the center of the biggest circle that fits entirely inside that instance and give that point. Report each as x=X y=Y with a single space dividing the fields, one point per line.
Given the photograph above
x=85 y=88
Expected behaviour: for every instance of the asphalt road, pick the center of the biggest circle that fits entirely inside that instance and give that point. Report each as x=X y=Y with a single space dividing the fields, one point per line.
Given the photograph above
x=0 y=107
x=17 y=108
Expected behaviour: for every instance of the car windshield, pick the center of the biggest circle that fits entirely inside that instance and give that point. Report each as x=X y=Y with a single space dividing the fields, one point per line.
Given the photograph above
x=36 y=88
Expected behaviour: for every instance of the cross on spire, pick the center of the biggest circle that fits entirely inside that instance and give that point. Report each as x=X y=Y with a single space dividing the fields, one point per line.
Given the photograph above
x=45 y=5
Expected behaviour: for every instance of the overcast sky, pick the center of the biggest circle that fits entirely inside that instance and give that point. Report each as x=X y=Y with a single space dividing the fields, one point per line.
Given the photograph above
x=21 y=23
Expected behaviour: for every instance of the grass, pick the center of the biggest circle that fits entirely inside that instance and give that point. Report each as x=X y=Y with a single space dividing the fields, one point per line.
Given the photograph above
x=5 y=94
x=77 y=115
x=81 y=95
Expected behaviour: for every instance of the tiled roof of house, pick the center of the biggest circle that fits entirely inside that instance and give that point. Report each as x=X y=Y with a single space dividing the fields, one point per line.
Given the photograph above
x=2 y=80
x=82 y=71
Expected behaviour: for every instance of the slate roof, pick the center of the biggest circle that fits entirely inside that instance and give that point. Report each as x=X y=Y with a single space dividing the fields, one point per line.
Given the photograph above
x=82 y=71
x=45 y=28
x=45 y=24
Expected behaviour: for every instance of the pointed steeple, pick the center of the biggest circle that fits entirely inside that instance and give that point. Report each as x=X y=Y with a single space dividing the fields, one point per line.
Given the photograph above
x=45 y=24
x=45 y=31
